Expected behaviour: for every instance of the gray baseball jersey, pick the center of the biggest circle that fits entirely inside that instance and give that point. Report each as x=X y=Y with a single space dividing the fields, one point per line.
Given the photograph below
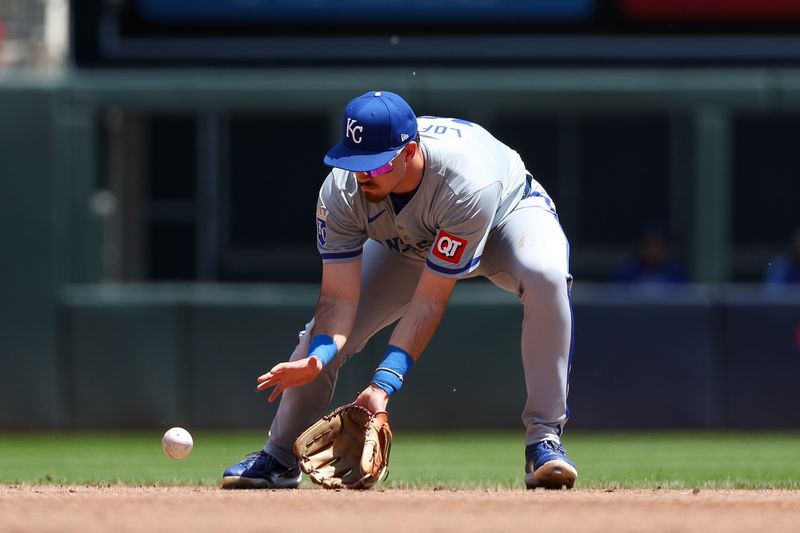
x=476 y=213
x=471 y=183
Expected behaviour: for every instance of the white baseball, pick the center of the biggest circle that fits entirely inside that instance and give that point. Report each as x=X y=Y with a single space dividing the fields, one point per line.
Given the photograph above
x=177 y=443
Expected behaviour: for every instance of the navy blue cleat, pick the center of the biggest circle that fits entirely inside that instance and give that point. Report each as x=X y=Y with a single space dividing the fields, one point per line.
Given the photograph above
x=547 y=466
x=259 y=470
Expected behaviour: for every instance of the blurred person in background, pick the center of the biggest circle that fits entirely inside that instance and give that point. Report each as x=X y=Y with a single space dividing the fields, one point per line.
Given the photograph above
x=785 y=268
x=653 y=263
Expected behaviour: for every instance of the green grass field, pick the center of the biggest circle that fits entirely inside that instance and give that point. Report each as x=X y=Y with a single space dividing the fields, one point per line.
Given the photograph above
x=460 y=460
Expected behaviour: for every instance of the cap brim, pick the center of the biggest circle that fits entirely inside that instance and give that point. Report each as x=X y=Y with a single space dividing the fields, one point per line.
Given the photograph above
x=344 y=157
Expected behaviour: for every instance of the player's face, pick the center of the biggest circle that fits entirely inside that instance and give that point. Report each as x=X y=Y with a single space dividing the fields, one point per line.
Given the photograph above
x=379 y=183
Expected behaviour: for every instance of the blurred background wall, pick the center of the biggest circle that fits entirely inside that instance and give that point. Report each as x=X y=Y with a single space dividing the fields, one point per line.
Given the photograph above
x=160 y=159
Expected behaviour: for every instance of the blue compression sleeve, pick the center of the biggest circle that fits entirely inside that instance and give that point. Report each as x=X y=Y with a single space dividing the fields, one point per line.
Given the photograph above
x=389 y=374
x=323 y=347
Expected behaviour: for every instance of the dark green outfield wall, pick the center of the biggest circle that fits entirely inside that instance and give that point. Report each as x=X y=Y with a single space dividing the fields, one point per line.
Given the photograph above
x=48 y=237
x=160 y=356
x=28 y=287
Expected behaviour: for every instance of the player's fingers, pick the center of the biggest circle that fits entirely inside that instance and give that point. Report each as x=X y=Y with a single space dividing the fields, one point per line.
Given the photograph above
x=269 y=377
x=280 y=367
x=268 y=380
x=277 y=392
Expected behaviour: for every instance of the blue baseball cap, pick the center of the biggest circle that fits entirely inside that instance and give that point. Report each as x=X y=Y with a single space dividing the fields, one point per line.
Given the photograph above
x=376 y=126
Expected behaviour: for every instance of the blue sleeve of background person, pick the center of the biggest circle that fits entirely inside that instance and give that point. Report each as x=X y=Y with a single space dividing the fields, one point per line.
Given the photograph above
x=469 y=221
x=777 y=273
x=340 y=233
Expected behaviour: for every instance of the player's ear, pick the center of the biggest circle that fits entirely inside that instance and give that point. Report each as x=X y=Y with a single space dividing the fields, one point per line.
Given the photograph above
x=411 y=149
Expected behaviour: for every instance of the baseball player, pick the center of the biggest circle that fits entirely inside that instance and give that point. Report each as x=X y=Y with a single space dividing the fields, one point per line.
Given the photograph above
x=411 y=206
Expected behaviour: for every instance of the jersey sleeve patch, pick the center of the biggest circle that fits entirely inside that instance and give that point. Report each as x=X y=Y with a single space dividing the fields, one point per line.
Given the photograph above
x=449 y=248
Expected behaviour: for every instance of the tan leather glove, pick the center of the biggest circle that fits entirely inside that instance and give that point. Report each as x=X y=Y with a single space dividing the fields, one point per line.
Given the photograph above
x=349 y=448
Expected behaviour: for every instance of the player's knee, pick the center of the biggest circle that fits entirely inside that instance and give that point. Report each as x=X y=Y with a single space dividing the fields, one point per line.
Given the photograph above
x=541 y=281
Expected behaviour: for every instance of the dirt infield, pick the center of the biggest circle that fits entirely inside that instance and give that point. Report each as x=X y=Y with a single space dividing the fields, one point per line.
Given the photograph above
x=186 y=509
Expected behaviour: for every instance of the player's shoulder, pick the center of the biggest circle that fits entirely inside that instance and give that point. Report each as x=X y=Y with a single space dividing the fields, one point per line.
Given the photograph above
x=339 y=178
x=339 y=181
x=463 y=161
x=449 y=129
x=456 y=139
x=340 y=187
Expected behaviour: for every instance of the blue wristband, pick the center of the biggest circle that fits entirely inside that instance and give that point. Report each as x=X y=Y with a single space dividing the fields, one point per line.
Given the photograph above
x=323 y=347
x=390 y=372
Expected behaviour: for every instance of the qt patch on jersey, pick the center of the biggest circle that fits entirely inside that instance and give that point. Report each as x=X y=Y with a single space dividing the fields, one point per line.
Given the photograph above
x=322 y=232
x=448 y=247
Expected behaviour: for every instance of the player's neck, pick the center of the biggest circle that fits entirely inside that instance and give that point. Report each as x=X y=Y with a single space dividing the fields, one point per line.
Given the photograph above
x=414 y=172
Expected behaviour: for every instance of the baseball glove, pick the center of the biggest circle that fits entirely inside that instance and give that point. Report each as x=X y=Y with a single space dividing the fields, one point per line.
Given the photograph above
x=348 y=448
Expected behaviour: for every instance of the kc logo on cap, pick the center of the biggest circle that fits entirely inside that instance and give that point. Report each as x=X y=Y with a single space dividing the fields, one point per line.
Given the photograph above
x=353 y=131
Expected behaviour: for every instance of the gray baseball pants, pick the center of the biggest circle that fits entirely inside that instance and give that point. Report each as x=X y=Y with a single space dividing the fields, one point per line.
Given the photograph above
x=526 y=255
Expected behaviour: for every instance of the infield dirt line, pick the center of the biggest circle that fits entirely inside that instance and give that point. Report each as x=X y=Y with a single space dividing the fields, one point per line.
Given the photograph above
x=124 y=508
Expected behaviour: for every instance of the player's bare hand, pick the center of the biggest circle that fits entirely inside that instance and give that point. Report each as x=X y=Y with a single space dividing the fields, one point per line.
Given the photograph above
x=373 y=398
x=291 y=374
